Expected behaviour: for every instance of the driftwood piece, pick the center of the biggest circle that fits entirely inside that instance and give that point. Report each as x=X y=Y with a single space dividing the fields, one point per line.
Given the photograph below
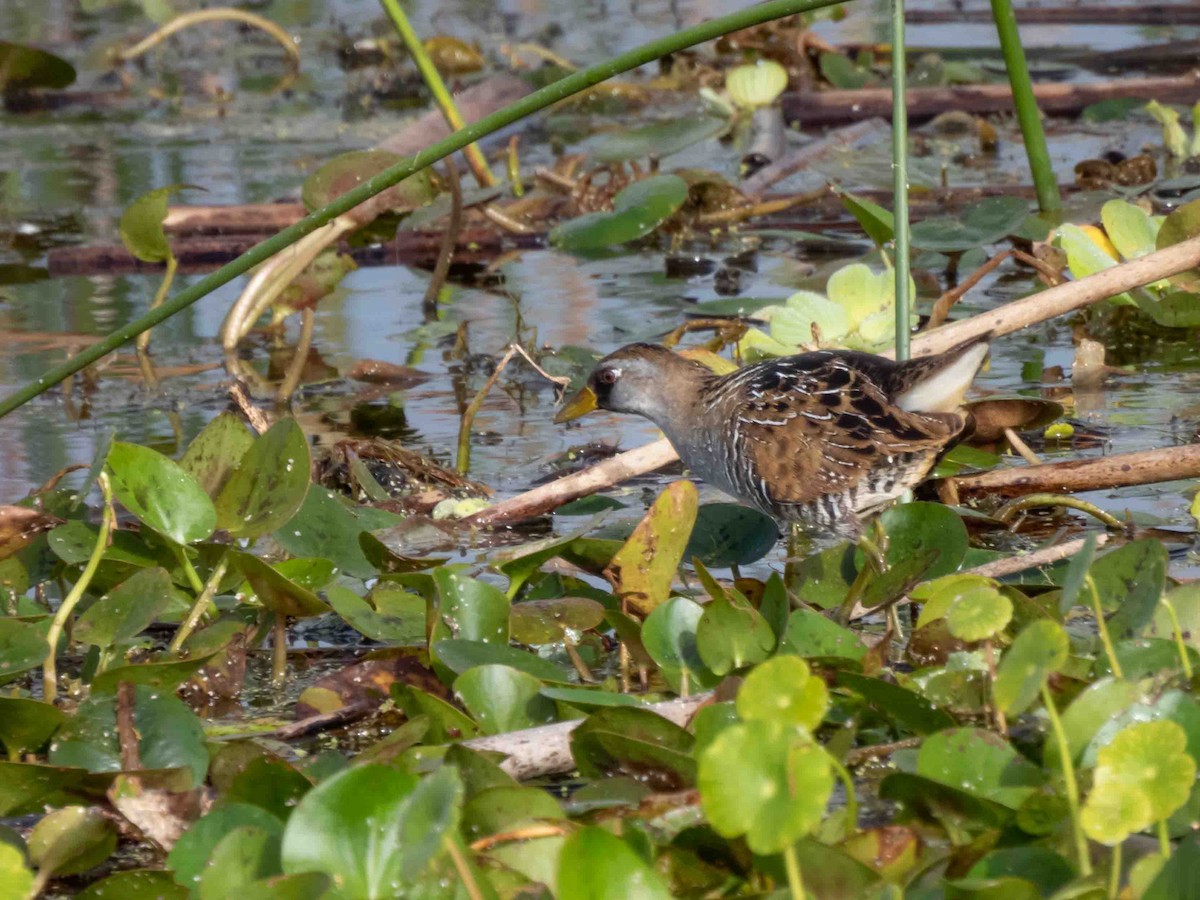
x=839 y=106
x=1006 y=319
x=1070 y=476
x=1077 y=14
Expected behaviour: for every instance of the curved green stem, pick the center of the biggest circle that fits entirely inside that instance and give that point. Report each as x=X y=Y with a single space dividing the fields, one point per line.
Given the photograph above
x=526 y=106
x=1114 y=873
x=49 y=667
x=795 y=881
x=1083 y=858
x=203 y=601
x=1177 y=632
x=1102 y=627
x=1031 y=501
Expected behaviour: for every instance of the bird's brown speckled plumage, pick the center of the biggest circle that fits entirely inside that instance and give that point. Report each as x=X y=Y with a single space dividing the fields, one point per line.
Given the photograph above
x=820 y=439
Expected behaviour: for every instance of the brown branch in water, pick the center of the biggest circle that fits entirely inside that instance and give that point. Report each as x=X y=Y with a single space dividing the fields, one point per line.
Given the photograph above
x=850 y=137
x=1085 y=14
x=351 y=712
x=449 y=238
x=127 y=736
x=248 y=218
x=1074 y=475
x=837 y=106
x=1011 y=317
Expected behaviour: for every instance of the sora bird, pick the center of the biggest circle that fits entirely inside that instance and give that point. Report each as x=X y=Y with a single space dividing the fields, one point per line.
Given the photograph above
x=821 y=439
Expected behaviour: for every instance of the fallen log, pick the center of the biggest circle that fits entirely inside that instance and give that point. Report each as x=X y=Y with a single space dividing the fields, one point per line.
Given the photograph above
x=817 y=108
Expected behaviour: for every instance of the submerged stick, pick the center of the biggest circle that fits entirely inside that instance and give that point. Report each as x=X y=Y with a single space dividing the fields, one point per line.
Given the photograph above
x=1011 y=317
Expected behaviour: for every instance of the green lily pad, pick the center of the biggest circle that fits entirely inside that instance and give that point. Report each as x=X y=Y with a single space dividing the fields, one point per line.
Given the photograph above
x=1098 y=704
x=637 y=211
x=242 y=857
x=328 y=526
x=906 y=707
x=1040 y=650
x=269 y=484
x=470 y=609
x=980 y=763
x=732 y=634
x=1131 y=580
x=25 y=725
x=814 y=636
x=543 y=621
x=446 y=722
x=24 y=787
x=345 y=172
x=766 y=780
x=1141 y=777
x=595 y=864
x=503 y=699
x=669 y=636
x=215 y=452
x=135 y=884
x=407 y=629
x=127 y=610
x=989 y=221
x=22 y=646
x=275 y=590
x=730 y=534
x=192 y=851
x=914 y=528
x=783 y=689
x=160 y=493
x=460 y=655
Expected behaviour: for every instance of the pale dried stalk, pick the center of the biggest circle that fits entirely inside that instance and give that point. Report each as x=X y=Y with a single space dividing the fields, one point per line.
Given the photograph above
x=1011 y=317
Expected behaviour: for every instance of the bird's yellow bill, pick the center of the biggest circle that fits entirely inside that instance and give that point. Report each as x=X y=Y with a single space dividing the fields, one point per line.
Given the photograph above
x=580 y=405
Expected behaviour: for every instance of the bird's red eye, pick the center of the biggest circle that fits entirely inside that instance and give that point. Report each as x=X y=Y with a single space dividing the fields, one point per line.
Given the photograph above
x=607 y=376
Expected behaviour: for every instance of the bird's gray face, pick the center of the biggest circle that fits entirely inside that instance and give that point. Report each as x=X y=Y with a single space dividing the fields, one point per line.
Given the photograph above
x=627 y=382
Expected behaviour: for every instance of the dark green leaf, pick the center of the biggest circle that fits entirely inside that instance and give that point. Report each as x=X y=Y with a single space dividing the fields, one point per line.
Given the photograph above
x=326 y=526
x=892 y=701
x=814 y=636
x=23 y=67
x=459 y=656
x=669 y=636
x=597 y=865
x=730 y=534
x=659 y=140
x=215 y=452
x=877 y=222
x=160 y=493
x=22 y=646
x=127 y=610
x=142 y=224
x=636 y=742
x=275 y=591
x=243 y=856
x=1131 y=580
x=135 y=884
x=637 y=211
x=269 y=484
x=191 y=852
x=503 y=699
x=27 y=724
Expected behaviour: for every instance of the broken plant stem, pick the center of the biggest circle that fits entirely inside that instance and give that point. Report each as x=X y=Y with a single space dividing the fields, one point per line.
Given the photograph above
x=437 y=87
x=295 y=369
x=1023 y=449
x=204 y=603
x=1031 y=501
x=1102 y=629
x=441 y=268
x=49 y=667
x=462 y=462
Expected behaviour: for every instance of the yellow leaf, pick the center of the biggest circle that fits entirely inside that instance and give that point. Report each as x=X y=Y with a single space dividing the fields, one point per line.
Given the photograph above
x=643 y=570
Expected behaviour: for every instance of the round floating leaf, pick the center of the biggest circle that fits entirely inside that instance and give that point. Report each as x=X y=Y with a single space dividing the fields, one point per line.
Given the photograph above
x=142 y=224
x=275 y=590
x=269 y=484
x=660 y=139
x=978 y=614
x=160 y=493
x=23 y=67
x=1100 y=703
x=216 y=451
x=784 y=690
x=503 y=699
x=635 y=742
x=345 y=172
x=27 y=724
x=394 y=629
x=22 y=646
x=669 y=636
x=1132 y=230
x=127 y=610
x=1141 y=777
x=597 y=865
x=765 y=780
x=729 y=534
x=732 y=634
x=25 y=786
x=990 y=220
x=373 y=828
x=270 y=783
x=135 y=884
x=915 y=528
x=645 y=566
x=637 y=211
x=1041 y=649
x=543 y=621
x=71 y=840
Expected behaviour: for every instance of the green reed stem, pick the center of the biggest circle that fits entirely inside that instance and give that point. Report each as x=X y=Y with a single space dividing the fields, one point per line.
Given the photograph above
x=526 y=106
x=795 y=880
x=1025 y=102
x=1082 y=856
x=1185 y=658
x=900 y=178
x=1102 y=627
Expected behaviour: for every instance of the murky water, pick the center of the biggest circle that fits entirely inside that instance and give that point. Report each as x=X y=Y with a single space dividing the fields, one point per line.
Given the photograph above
x=66 y=175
